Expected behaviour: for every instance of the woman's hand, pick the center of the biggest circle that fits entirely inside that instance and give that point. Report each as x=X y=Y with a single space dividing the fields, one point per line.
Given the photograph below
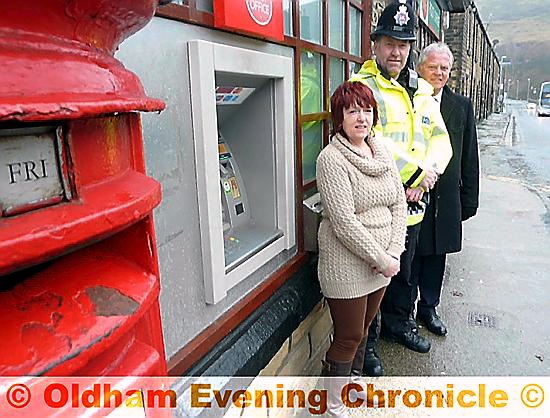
x=391 y=270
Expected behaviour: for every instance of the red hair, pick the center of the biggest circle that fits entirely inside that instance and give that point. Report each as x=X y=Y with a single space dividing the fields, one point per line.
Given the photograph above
x=350 y=94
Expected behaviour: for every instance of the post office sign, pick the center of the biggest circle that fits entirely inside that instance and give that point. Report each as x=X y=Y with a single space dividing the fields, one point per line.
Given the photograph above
x=30 y=169
x=258 y=17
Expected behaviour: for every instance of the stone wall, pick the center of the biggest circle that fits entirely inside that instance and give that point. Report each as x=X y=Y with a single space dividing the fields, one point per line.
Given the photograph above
x=476 y=70
x=302 y=352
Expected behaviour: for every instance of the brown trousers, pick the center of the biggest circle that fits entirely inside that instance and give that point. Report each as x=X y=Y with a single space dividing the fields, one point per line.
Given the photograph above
x=351 y=319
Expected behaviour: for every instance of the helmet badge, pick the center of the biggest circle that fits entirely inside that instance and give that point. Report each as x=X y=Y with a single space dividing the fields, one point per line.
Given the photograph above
x=402 y=17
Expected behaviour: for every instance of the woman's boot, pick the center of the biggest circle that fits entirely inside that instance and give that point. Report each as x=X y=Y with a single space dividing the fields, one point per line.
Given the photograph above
x=336 y=377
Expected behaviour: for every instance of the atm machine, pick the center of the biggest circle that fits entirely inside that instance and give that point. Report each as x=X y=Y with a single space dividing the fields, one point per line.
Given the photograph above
x=244 y=232
x=242 y=110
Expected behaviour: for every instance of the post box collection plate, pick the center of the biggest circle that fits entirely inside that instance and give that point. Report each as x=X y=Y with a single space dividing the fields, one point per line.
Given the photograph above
x=30 y=169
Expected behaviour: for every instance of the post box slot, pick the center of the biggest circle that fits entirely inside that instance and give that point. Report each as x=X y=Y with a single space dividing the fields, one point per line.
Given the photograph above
x=101 y=210
x=67 y=313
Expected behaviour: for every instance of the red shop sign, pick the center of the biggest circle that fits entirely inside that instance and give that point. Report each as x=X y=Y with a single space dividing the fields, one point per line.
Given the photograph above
x=260 y=17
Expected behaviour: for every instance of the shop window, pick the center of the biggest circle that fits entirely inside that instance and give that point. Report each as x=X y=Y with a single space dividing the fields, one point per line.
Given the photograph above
x=469 y=32
x=355 y=31
x=311 y=83
x=311 y=21
x=205 y=5
x=336 y=74
x=312 y=140
x=336 y=24
x=311 y=98
x=287 y=12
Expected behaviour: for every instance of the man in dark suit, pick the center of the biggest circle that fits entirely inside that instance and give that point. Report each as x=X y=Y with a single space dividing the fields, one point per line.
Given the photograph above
x=454 y=197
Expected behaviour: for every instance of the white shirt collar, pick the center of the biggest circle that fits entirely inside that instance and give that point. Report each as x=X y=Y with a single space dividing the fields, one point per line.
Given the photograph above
x=437 y=97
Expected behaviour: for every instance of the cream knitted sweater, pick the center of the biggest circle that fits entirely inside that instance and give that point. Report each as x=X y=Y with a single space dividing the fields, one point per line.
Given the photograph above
x=364 y=217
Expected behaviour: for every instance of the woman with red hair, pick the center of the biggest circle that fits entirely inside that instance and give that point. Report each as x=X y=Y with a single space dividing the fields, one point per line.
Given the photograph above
x=362 y=233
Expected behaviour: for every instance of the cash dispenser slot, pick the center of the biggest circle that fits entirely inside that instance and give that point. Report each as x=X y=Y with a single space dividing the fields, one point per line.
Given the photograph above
x=242 y=235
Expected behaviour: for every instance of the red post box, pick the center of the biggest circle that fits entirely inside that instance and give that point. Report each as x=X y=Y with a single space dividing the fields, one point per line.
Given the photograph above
x=79 y=275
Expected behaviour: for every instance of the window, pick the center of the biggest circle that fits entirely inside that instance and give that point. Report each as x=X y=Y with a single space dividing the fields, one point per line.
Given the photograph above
x=311 y=21
x=312 y=143
x=287 y=12
x=327 y=63
x=336 y=74
x=311 y=83
x=311 y=99
x=468 y=31
x=355 y=31
x=205 y=5
x=336 y=24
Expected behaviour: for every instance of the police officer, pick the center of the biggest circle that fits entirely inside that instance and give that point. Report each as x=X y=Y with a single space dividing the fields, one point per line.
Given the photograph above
x=414 y=130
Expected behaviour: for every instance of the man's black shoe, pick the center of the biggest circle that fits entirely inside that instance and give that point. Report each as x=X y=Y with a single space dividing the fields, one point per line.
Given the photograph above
x=410 y=339
x=372 y=366
x=433 y=323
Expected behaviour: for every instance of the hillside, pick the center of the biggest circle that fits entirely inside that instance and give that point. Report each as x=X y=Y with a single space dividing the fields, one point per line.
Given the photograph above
x=510 y=11
x=523 y=31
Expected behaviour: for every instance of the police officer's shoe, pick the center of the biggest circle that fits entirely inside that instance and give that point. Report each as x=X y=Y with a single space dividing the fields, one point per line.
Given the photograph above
x=372 y=365
x=433 y=322
x=410 y=338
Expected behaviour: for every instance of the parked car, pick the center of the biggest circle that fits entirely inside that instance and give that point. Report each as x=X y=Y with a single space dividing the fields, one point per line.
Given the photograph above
x=543 y=103
x=543 y=110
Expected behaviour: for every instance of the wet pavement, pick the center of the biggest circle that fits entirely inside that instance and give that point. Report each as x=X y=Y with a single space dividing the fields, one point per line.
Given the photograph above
x=495 y=294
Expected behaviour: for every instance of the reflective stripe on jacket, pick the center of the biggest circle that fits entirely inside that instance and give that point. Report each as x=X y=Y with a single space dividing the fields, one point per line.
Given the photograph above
x=417 y=131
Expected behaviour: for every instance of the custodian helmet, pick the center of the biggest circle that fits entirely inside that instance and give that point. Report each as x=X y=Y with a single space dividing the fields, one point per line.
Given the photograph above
x=397 y=21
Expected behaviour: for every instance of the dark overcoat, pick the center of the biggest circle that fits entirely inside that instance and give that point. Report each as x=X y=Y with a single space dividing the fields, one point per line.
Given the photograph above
x=455 y=196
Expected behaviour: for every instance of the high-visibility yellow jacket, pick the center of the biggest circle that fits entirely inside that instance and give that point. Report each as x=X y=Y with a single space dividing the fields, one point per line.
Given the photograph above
x=415 y=131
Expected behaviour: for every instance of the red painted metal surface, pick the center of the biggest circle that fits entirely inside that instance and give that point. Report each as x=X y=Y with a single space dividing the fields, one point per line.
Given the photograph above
x=79 y=279
x=99 y=211
x=72 y=310
x=57 y=58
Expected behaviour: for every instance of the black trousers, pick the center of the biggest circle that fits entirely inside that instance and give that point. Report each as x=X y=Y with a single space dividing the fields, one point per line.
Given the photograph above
x=428 y=271
x=397 y=306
